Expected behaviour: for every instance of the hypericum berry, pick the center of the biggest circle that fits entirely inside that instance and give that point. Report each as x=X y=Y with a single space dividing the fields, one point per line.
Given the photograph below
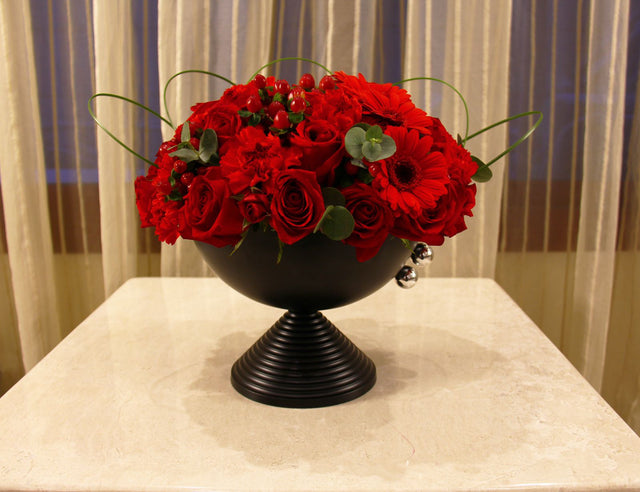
x=281 y=120
x=179 y=166
x=254 y=103
x=187 y=178
x=282 y=87
x=297 y=92
x=297 y=105
x=260 y=81
x=307 y=82
x=327 y=83
x=274 y=108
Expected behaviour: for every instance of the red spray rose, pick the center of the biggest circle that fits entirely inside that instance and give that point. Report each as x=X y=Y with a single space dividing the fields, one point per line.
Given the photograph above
x=254 y=207
x=373 y=219
x=297 y=204
x=209 y=213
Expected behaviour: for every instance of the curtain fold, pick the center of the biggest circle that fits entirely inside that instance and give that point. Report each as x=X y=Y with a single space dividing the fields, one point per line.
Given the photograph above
x=24 y=192
x=471 y=52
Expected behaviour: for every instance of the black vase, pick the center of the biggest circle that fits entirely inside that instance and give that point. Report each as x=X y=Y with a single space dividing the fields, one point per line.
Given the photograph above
x=303 y=360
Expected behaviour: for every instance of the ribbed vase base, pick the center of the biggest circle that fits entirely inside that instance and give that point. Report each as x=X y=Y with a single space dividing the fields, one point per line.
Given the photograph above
x=303 y=361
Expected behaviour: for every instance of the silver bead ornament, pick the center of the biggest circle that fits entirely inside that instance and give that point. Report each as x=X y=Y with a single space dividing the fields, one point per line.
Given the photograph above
x=422 y=254
x=407 y=277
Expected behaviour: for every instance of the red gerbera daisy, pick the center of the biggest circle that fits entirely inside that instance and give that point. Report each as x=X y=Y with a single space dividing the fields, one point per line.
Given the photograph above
x=386 y=105
x=413 y=178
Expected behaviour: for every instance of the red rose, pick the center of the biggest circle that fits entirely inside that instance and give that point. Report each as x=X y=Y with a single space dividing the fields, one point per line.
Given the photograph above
x=322 y=149
x=221 y=117
x=297 y=204
x=254 y=207
x=209 y=213
x=373 y=220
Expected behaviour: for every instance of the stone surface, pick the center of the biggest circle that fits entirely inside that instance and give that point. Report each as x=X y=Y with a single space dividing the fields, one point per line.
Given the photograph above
x=470 y=396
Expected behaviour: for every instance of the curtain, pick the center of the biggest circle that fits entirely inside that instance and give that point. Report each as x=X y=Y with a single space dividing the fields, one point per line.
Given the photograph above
x=558 y=225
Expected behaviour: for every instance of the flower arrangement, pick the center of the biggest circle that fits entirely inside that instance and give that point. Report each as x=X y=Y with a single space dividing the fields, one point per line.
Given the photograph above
x=349 y=158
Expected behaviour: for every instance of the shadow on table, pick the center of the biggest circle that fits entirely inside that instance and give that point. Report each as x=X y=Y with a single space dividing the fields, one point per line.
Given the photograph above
x=415 y=395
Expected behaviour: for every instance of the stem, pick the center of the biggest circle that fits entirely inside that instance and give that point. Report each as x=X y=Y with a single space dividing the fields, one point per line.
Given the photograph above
x=464 y=102
x=91 y=112
x=166 y=86
x=288 y=58
x=518 y=142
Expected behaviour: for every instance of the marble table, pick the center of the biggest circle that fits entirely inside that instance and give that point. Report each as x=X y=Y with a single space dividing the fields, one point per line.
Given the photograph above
x=470 y=396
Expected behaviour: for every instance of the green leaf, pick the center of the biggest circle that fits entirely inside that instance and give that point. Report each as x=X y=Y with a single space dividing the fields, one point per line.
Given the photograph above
x=186 y=155
x=243 y=113
x=255 y=119
x=327 y=211
x=237 y=245
x=296 y=117
x=358 y=163
x=483 y=173
x=208 y=144
x=353 y=141
x=338 y=223
x=364 y=126
x=388 y=146
x=374 y=134
x=185 y=136
x=365 y=176
x=332 y=196
x=280 y=251
x=371 y=151
x=174 y=196
x=406 y=244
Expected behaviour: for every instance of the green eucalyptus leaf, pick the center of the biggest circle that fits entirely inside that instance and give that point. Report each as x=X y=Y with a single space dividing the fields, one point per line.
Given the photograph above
x=186 y=155
x=371 y=151
x=388 y=146
x=185 y=136
x=208 y=144
x=358 y=163
x=243 y=113
x=327 y=211
x=255 y=119
x=374 y=134
x=364 y=126
x=333 y=196
x=338 y=224
x=353 y=141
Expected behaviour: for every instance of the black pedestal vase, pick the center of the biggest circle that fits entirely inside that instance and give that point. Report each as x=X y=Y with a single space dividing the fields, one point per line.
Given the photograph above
x=303 y=360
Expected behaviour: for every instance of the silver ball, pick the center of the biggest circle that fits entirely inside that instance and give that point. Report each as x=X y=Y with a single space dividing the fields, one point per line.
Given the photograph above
x=422 y=254
x=407 y=277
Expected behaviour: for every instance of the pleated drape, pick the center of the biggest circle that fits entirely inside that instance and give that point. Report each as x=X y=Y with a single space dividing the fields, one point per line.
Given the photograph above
x=24 y=192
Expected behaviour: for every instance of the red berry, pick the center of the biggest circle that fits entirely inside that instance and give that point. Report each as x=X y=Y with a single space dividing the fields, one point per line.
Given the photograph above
x=274 y=108
x=179 y=166
x=297 y=92
x=260 y=81
x=307 y=82
x=282 y=87
x=254 y=103
x=327 y=83
x=281 y=120
x=297 y=105
x=187 y=178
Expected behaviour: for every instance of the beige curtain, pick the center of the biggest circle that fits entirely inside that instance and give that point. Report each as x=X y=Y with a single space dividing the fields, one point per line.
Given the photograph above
x=558 y=226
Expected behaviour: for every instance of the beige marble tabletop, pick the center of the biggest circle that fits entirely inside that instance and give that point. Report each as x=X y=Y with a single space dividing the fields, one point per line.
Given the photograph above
x=470 y=396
